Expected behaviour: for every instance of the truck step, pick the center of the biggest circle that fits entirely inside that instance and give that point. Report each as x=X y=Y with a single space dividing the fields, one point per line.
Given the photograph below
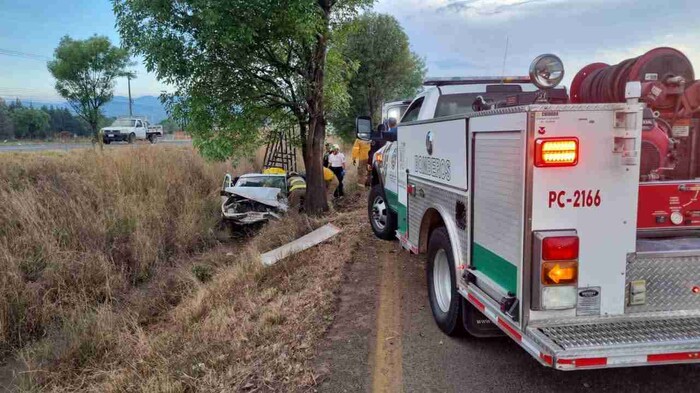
x=633 y=332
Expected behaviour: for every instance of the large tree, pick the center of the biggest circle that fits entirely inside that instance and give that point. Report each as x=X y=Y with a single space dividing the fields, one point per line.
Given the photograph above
x=86 y=72
x=388 y=69
x=240 y=65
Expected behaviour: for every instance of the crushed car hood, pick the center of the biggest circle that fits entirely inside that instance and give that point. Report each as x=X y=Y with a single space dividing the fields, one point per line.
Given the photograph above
x=265 y=195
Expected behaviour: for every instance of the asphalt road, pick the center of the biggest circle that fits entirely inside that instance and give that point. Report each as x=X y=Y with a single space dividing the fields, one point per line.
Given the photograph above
x=73 y=146
x=384 y=340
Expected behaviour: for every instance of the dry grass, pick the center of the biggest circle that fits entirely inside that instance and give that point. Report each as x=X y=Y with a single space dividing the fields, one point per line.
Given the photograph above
x=108 y=286
x=80 y=231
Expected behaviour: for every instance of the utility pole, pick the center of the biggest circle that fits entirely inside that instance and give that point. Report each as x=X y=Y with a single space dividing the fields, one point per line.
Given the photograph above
x=128 y=81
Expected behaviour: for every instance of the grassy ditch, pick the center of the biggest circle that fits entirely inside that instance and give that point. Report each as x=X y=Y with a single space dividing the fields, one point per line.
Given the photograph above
x=80 y=231
x=113 y=280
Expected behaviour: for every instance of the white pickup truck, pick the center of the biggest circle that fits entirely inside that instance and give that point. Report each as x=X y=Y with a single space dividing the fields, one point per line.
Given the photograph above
x=129 y=129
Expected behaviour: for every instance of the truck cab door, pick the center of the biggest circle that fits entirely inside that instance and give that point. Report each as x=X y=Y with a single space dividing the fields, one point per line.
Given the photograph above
x=140 y=130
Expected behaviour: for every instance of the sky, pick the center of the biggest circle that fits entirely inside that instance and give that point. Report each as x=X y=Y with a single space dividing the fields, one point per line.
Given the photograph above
x=468 y=38
x=35 y=27
x=456 y=38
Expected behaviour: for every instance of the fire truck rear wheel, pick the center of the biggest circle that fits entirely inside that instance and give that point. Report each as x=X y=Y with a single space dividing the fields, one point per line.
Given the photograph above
x=445 y=302
x=382 y=219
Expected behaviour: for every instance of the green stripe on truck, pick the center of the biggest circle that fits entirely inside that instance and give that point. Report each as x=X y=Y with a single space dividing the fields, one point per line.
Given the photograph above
x=393 y=199
x=496 y=268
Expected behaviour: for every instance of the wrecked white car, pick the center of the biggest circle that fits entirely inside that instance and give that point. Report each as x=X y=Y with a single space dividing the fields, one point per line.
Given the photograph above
x=253 y=198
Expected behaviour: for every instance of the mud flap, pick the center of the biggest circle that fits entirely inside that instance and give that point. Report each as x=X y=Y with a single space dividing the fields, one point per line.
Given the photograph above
x=476 y=323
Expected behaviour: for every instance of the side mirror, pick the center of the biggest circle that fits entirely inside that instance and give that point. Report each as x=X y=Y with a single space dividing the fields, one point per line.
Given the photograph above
x=363 y=128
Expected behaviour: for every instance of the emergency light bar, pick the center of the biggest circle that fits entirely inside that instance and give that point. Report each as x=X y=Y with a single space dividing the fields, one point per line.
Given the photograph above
x=475 y=80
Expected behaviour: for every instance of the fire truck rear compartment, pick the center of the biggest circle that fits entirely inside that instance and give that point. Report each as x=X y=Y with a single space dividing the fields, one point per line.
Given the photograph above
x=664 y=329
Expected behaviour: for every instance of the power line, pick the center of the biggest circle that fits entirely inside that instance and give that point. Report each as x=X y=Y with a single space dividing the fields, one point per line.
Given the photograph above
x=25 y=55
x=19 y=88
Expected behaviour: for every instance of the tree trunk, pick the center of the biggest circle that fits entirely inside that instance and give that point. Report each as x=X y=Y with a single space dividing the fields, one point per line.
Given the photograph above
x=96 y=135
x=315 y=202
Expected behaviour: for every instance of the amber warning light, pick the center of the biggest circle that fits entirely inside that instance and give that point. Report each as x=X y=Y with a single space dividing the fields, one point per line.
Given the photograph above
x=553 y=152
x=560 y=256
x=560 y=273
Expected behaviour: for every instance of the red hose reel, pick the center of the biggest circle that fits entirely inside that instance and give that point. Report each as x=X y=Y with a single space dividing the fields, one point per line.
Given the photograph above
x=603 y=83
x=668 y=88
x=670 y=162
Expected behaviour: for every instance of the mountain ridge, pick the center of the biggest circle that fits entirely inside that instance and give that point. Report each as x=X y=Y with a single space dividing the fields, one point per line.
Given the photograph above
x=148 y=106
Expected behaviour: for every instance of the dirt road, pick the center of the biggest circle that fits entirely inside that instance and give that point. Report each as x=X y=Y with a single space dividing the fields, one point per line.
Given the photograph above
x=384 y=340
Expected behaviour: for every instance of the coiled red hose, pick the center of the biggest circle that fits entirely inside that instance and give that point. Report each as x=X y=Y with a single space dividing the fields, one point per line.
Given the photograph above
x=603 y=83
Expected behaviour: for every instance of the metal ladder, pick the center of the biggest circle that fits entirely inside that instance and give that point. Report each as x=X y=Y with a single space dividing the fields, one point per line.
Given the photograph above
x=280 y=151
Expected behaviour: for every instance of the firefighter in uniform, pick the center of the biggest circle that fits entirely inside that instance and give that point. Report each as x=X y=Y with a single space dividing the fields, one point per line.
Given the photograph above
x=360 y=150
x=297 y=190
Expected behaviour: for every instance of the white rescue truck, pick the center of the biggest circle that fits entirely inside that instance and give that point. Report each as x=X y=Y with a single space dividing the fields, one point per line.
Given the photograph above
x=526 y=206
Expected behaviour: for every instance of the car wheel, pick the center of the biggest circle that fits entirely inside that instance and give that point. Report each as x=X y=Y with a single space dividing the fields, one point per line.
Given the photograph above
x=107 y=141
x=132 y=138
x=382 y=219
x=445 y=301
x=153 y=139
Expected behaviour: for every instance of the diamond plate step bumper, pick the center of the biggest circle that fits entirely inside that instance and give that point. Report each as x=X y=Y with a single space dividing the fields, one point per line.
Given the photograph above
x=620 y=342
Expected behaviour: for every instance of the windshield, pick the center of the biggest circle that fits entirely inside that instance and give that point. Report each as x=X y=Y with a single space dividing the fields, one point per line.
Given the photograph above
x=396 y=111
x=262 y=181
x=124 y=123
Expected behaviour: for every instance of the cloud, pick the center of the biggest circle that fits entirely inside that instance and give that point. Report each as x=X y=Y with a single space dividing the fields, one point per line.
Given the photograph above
x=480 y=8
x=687 y=42
x=453 y=63
x=468 y=37
x=456 y=6
x=483 y=12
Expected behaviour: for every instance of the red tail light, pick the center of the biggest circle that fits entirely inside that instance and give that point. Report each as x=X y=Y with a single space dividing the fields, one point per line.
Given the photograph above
x=555 y=273
x=552 y=152
x=562 y=248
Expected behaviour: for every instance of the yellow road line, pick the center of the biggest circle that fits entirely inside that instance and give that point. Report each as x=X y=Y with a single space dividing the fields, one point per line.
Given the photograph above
x=387 y=370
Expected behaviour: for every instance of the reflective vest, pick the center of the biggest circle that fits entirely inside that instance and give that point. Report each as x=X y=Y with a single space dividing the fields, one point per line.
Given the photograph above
x=296 y=183
x=360 y=149
x=328 y=174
